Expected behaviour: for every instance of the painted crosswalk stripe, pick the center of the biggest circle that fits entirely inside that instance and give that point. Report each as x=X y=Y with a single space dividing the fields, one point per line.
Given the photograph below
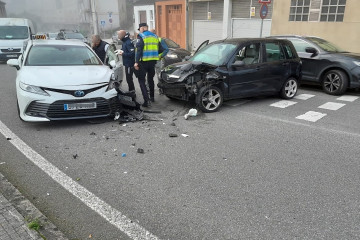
x=311 y=116
x=347 y=98
x=332 y=106
x=283 y=104
x=304 y=96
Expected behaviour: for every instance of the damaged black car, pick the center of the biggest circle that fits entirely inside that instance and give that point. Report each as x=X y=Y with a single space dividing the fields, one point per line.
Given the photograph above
x=234 y=68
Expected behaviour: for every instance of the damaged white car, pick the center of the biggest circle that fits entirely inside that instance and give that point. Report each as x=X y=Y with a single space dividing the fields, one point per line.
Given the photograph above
x=60 y=80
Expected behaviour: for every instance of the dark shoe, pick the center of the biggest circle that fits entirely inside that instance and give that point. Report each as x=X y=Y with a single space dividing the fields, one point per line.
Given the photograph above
x=152 y=99
x=146 y=104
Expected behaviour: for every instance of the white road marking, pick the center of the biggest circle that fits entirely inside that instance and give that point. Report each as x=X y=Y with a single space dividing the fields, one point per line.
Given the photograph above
x=283 y=104
x=347 y=98
x=311 y=126
x=332 y=106
x=311 y=116
x=304 y=96
x=112 y=215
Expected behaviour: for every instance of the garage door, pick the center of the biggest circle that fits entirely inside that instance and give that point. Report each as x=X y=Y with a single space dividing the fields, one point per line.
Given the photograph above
x=250 y=28
x=206 y=30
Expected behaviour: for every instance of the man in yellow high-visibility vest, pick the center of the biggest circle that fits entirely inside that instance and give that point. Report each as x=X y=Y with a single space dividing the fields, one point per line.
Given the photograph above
x=146 y=56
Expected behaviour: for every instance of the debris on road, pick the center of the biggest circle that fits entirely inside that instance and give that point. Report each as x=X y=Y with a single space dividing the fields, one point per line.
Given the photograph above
x=8 y=139
x=173 y=124
x=2 y=163
x=92 y=134
x=77 y=179
x=173 y=135
x=75 y=156
x=184 y=135
x=140 y=150
x=123 y=154
x=192 y=113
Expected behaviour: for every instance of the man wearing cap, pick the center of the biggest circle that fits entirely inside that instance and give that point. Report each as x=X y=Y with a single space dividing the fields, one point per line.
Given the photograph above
x=146 y=56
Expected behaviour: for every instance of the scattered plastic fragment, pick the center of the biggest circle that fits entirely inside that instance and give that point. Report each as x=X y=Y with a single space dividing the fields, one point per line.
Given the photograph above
x=124 y=125
x=90 y=236
x=92 y=134
x=123 y=154
x=48 y=194
x=173 y=135
x=184 y=135
x=77 y=179
x=2 y=163
x=8 y=139
x=117 y=116
x=192 y=113
x=140 y=150
x=173 y=124
x=75 y=156
x=125 y=172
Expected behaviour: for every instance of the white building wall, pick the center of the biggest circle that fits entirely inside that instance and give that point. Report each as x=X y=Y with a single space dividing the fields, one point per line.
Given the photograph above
x=150 y=16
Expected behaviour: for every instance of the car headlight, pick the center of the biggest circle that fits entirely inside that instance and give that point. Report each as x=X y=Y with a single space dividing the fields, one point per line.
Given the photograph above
x=32 y=89
x=25 y=45
x=357 y=63
x=172 y=55
x=112 y=85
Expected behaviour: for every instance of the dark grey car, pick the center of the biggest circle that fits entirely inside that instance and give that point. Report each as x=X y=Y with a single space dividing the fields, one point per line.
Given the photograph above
x=234 y=68
x=326 y=64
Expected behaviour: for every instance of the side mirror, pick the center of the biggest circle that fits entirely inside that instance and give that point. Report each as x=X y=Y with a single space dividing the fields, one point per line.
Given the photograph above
x=112 y=64
x=237 y=64
x=311 y=50
x=14 y=63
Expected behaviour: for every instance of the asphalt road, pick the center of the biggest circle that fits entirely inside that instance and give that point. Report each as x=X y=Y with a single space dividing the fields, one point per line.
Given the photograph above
x=249 y=171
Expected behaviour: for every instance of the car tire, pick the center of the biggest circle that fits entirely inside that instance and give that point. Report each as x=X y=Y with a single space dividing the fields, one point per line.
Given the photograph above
x=335 y=82
x=289 y=89
x=209 y=99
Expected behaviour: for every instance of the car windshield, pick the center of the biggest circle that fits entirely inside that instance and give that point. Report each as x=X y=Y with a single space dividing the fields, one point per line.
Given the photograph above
x=171 y=43
x=14 y=32
x=325 y=45
x=74 y=35
x=61 y=55
x=214 y=54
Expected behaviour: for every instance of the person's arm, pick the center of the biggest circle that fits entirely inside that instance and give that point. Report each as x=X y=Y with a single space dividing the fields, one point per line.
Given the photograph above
x=128 y=49
x=139 y=49
x=106 y=47
x=165 y=48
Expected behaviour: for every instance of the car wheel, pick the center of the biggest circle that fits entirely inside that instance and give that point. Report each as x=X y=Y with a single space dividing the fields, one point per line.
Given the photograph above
x=209 y=99
x=289 y=88
x=335 y=82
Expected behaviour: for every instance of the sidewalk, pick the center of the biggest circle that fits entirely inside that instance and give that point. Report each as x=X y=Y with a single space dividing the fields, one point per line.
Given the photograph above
x=13 y=225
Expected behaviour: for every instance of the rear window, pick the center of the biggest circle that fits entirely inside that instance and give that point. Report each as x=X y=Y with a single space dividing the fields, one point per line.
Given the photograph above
x=274 y=52
x=60 y=55
x=74 y=35
x=14 y=32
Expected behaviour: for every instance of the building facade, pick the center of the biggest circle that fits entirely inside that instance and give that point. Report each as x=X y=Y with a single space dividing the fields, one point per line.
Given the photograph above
x=2 y=9
x=337 y=21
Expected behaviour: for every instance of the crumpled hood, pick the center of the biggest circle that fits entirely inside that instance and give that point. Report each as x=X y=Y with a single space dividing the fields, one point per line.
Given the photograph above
x=65 y=77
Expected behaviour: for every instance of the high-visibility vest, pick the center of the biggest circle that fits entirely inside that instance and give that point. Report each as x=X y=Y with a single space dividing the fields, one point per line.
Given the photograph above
x=151 y=46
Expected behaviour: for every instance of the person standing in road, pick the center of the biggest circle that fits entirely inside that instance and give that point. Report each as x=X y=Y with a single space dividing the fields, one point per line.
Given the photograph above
x=163 y=45
x=146 y=56
x=99 y=46
x=128 y=54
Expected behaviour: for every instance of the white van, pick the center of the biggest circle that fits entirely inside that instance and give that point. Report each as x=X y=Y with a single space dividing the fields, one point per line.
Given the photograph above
x=14 y=35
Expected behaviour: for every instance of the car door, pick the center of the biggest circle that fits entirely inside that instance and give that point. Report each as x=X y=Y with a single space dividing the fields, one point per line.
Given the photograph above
x=310 y=63
x=277 y=66
x=112 y=60
x=246 y=71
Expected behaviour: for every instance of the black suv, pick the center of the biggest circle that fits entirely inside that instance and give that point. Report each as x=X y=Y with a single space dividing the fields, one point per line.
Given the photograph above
x=234 y=68
x=326 y=64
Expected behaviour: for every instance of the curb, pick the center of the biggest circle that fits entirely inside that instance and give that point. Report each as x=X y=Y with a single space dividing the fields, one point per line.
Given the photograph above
x=28 y=210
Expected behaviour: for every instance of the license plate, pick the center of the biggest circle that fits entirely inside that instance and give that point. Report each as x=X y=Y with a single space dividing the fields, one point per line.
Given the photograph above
x=11 y=55
x=79 y=106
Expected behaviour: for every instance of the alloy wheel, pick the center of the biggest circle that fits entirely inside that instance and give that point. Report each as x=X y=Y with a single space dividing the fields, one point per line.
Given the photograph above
x=291 y=88
x=211 y=99
x=332 y=82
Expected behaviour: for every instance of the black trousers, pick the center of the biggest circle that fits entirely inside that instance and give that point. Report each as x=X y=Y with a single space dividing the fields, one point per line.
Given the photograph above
x=129 y=71
x=146 y=68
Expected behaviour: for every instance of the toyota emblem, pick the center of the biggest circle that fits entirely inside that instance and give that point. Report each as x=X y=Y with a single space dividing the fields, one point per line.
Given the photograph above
x=79 y=93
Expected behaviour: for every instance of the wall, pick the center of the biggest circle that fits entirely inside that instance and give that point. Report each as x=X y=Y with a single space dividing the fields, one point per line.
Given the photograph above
x=150 y=9
x=344 y=34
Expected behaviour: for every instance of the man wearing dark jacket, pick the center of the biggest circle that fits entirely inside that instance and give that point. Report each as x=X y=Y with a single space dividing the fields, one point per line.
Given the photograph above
x=128 y=53
x=99 y=46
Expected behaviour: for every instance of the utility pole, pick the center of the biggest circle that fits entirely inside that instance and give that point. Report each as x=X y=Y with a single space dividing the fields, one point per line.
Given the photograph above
x=94 y=16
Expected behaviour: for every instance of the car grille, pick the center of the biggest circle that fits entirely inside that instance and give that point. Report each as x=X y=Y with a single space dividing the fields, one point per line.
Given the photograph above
x=55 y=111
x=6 y=50
x=72 y=92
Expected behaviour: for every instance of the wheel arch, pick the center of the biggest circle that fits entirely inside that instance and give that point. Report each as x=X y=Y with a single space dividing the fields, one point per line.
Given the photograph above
x=324 y=71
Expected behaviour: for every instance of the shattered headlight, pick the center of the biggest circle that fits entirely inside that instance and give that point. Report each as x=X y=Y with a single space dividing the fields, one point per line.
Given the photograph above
x=32 y=89
x=212 y=75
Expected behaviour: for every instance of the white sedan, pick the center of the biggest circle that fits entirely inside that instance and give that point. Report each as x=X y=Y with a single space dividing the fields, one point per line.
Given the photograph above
x=64 y=79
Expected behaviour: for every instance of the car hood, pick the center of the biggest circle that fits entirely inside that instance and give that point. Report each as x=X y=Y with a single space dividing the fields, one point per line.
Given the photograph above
x=178 y=72
x=65 y=77
x=180 y=51
x=12 y=43
x=351 y=55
